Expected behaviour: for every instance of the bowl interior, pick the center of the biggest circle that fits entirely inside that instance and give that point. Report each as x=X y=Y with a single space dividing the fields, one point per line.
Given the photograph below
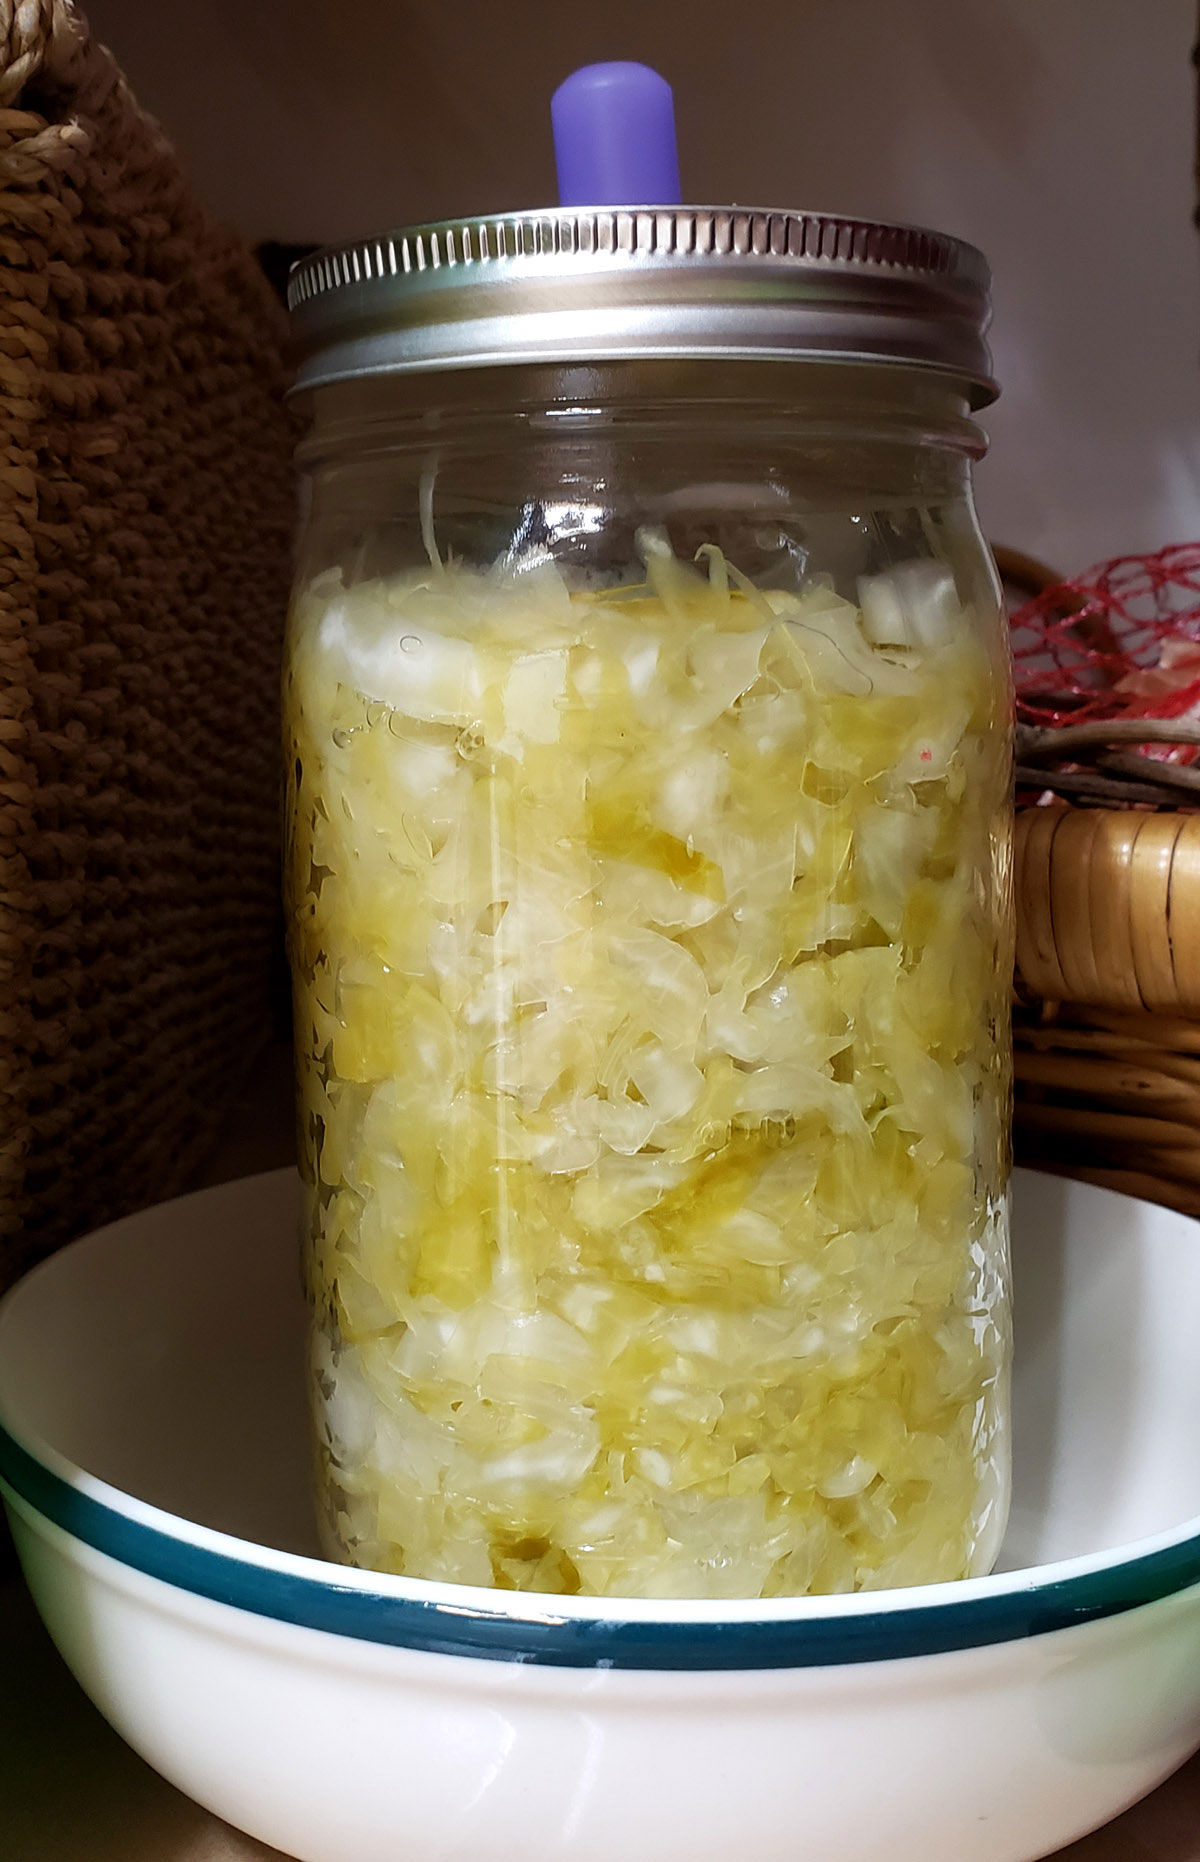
x=164 y=1355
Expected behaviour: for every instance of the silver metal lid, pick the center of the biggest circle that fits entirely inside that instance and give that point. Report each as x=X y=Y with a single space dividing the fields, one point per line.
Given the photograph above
x=609 y=284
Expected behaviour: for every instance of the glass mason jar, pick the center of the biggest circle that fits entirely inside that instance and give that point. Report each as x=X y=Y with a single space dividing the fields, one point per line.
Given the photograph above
x=647 y=723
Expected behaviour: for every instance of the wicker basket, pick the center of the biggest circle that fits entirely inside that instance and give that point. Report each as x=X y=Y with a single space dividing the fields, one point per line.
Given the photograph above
x=1107 y=1026
x=145 y=512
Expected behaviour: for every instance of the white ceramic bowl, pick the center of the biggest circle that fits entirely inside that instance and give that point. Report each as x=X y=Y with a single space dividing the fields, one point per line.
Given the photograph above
x=153 y=1454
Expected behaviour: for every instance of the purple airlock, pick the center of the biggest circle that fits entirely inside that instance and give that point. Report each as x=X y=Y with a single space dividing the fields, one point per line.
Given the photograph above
x=614 y=138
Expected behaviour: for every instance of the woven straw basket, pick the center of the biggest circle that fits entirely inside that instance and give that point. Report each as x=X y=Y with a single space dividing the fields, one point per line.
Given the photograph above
x=1107 y=1027
x=145 y=515
x=1106 y=1022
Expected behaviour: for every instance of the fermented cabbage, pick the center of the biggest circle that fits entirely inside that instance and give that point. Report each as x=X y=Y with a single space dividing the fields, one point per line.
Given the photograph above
x=650 y=959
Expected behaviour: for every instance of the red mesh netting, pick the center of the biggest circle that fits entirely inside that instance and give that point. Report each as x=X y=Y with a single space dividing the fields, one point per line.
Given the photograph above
x=1120 y=641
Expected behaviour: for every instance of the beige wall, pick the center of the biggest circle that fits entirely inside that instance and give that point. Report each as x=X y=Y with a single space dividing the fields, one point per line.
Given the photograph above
x=1057 y=134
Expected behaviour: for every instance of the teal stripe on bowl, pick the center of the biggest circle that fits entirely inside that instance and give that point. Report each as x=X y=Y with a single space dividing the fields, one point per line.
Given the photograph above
x=438 y=1628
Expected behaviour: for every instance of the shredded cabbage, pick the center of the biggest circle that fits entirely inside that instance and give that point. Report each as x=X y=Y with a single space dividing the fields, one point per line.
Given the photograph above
x=650 y=960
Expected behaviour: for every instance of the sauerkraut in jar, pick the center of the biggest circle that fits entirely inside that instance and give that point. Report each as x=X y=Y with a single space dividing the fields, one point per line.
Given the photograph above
x=649 y=922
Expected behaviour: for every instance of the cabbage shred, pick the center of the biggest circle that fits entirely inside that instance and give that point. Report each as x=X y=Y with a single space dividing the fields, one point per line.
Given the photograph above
x=650 y=951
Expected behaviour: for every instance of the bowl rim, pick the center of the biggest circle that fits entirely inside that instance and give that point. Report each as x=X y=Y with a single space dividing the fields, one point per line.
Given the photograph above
x=536 y=1628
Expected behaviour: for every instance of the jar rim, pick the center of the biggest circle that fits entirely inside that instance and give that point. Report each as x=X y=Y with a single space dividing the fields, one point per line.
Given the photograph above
x=610 y=284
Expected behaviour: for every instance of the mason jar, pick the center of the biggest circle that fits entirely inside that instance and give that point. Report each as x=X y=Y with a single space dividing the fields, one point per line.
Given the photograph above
x=647 y=723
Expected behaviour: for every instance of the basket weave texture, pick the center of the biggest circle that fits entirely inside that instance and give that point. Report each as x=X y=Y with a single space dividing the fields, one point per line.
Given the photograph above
x=145 y=519
x=1107 y=1027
